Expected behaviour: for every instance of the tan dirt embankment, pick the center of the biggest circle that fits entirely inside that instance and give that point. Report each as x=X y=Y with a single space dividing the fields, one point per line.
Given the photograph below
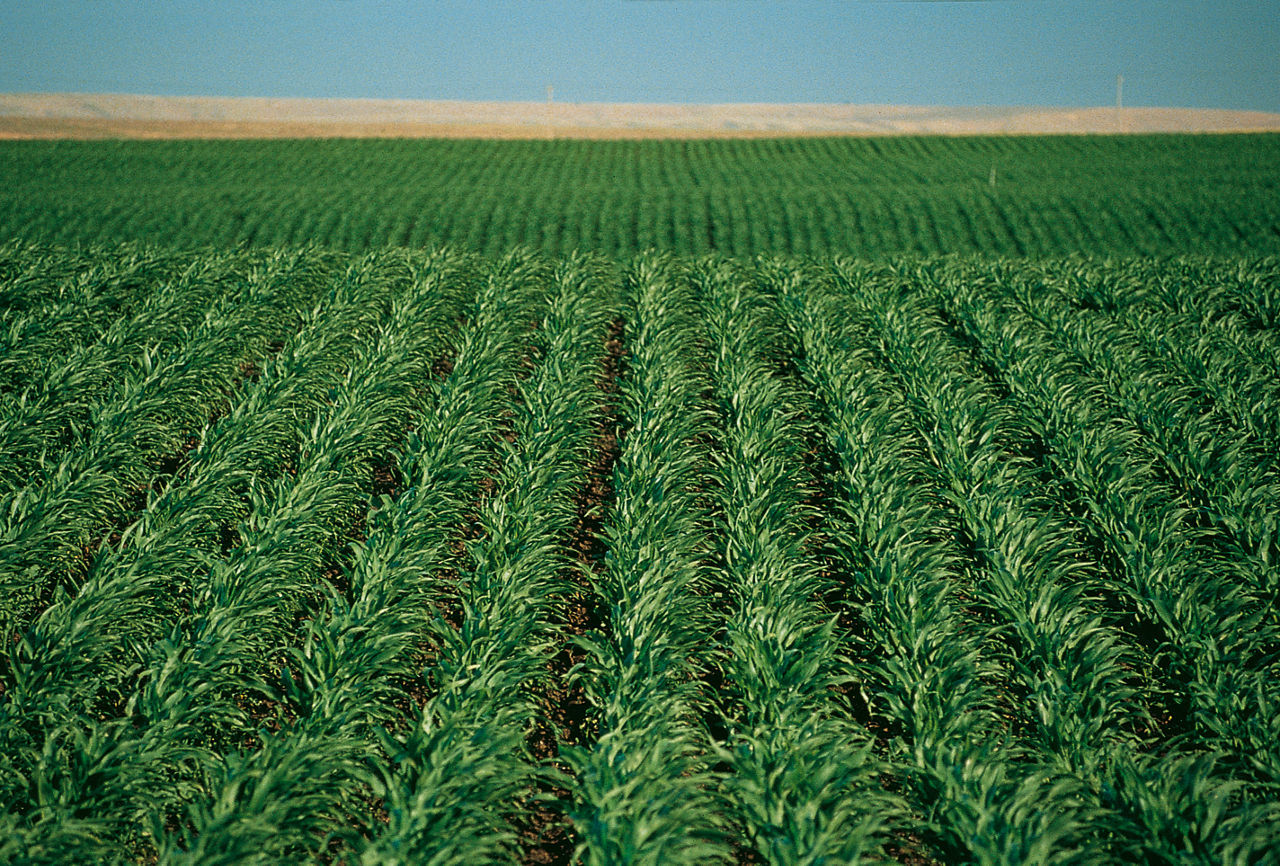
x=45 y=116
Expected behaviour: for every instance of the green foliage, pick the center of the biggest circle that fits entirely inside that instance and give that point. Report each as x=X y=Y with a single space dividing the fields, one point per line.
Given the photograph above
x=876 y=197
x=308 y=556
x=642 y=788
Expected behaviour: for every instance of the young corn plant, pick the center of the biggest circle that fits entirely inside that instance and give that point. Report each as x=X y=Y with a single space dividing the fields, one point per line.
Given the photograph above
x=930 y=663
x=1206 y=634
x=88 y=295
x=47 y=529
x=642 y=792
x=188 y=695
x=307 y=781
x=459 y=774
x=802 y=783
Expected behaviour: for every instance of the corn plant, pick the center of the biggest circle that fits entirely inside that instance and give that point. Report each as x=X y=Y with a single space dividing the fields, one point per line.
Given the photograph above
x=1209 y=659
x=459 y=771
x=932 y=666
x=86 y=296
x=802 y=784
x=343 y=682
x=188 y=690
x=641 y=791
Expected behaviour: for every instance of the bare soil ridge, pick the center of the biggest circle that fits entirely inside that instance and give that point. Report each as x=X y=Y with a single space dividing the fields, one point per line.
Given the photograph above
x=64 y=115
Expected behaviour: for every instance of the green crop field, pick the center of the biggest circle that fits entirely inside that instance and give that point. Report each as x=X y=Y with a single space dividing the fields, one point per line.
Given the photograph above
x=870 y=197
x=791 y=502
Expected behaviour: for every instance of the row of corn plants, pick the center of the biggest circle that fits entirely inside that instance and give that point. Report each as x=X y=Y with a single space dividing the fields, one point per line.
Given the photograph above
x=801 y=784
x=641 y=790
x=346 y=685
x=83 y=296
x=1212 y=322
x=932 y=660
x=189 y=688
x=32 y=273
x=1214 y=359
x=49 y=528
x=462 y=774
x=40 y=424
x=131 y=589
x=1082 y=712
x=1218 y=287
x=244 y=616
x=1203 y=782
x=35 y=275
x=1219 y=474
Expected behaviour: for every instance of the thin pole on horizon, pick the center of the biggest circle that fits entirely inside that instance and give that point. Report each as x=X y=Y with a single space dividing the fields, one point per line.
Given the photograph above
x=1120 y=124
x=551 y=129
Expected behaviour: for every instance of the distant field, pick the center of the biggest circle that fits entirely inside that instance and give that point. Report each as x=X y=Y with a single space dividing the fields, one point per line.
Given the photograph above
x=868 y=197
x=107 y=115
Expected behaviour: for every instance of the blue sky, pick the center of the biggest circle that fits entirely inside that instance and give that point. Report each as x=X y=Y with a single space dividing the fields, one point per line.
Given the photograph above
x=1183 y=53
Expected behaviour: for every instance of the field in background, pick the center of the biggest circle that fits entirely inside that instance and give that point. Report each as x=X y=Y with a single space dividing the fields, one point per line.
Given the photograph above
x=107 y=115
x=1150 y=195
x=788 y=501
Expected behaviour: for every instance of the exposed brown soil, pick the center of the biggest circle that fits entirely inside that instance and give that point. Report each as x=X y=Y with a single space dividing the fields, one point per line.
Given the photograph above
x=910 y=850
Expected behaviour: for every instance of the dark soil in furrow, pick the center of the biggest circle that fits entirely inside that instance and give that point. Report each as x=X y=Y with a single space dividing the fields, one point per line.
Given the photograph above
x=910 y=849
x=546 y=835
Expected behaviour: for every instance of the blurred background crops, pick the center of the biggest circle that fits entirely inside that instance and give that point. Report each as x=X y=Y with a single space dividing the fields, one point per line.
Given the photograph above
x=871 y=197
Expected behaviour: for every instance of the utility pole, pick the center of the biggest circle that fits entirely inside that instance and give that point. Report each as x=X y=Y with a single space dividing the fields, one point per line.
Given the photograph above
x=1120 y=124
x=551 y=128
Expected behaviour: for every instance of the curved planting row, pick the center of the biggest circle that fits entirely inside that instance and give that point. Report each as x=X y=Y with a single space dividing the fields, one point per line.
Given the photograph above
x=350 y=677
x=931 y=667
x=82 y=384
x=1218 y=472
x=59 y=302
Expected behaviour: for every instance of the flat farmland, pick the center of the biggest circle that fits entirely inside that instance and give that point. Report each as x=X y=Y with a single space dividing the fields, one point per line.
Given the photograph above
x=789 y=501
x=866 y=197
